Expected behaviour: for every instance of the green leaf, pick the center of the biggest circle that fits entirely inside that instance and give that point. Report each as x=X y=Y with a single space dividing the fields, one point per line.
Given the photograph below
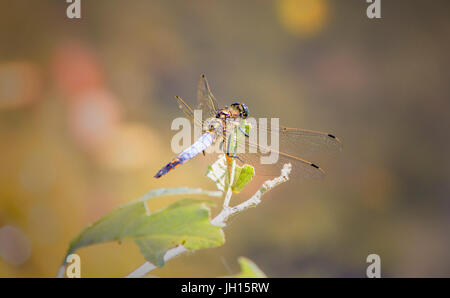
x=185 y=222
x=248 y=269
x=218 y=172
x=242 y=177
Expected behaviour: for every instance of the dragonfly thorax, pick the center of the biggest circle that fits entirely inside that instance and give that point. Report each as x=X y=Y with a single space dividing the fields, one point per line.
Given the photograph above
x=214 y=125
x=224 y=114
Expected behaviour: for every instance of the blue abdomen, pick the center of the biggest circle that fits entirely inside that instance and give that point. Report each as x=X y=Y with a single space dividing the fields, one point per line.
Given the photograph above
x=200 y=145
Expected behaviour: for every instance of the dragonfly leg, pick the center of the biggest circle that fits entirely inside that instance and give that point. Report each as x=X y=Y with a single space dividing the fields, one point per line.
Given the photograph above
x=243 y=131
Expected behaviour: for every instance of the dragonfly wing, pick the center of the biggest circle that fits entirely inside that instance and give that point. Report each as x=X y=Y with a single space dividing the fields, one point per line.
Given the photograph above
x=296 y=140
x=187 y=110
x=206 y=101
x=300 y=167
x=312 y=137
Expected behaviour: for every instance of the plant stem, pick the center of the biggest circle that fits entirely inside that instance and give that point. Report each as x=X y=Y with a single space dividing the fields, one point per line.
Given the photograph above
x=222 y=217
x=226 y=201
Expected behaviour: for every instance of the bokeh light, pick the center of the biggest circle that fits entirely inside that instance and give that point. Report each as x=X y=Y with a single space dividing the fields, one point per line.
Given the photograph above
x=15 y=248
x=20 y=84
x=76 y=69
x=303 y=17
x=133 y=146
x=93 y=118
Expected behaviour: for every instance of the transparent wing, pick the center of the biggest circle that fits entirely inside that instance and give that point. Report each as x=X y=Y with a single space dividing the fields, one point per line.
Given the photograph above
x=206 y=101
x=300 y=167
x=187 y=110
x=236 y=144
x=297 y=140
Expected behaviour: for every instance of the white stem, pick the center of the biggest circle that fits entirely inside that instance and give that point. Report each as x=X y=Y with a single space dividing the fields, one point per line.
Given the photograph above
x=61 y=271
x=221 y=218
x=147 y=266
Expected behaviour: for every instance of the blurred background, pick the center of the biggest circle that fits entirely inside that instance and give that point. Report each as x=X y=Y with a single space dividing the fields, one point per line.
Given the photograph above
x=86 y=107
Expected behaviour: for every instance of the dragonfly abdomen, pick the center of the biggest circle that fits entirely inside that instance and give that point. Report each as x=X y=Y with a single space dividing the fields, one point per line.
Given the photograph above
x=200 y=145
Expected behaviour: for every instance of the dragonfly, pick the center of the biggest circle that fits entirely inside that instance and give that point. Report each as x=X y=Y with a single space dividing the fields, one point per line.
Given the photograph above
x=221 y=122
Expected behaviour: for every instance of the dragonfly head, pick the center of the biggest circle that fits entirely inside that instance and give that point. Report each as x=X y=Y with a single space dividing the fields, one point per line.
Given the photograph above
x=242 y=108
